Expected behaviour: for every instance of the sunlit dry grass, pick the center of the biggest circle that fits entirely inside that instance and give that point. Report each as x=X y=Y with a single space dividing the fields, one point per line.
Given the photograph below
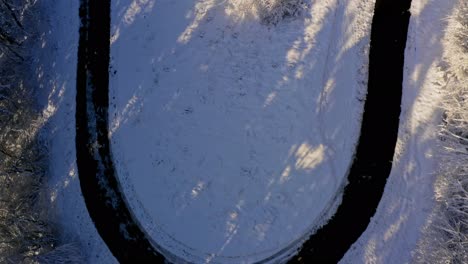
x=446 y=238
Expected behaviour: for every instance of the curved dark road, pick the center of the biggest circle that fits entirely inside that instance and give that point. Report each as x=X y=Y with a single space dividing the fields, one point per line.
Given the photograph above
x=379 y=130
x=106 y=203
x=100 y=187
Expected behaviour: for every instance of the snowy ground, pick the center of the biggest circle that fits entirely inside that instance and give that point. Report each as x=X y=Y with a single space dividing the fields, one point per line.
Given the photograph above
x=56 y=77
x=232 y=137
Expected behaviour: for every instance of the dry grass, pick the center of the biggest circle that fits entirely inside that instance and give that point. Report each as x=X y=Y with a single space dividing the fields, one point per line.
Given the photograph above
x=446 y=238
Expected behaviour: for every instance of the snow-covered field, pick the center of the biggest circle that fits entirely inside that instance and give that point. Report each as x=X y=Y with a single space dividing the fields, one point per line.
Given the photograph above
x=232 y=136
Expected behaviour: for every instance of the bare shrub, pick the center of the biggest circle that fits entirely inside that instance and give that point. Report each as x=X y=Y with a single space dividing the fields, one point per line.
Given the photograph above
x=269 y=12
x=273 y=11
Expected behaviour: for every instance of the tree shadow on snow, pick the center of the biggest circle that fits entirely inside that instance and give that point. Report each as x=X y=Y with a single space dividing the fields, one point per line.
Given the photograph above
x=274 y=112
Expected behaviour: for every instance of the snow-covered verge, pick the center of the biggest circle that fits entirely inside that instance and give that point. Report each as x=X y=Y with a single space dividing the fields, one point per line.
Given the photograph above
x=404 y=229
x=232 y=132
x=26 y=233
x=445 y=239
x=54 y=75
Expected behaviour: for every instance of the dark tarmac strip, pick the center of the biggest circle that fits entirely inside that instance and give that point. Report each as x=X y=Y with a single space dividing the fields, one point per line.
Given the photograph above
x=100 y=187
x=106 y=203
x=379 y=131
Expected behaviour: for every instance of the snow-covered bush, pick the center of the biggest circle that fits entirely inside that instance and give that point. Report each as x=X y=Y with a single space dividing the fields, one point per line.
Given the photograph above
x=26 y=236
x=446 y=238
x=269 y=12
x=273 y=11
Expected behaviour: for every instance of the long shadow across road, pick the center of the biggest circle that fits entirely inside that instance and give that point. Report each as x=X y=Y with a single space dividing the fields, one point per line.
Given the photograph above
x=106 y=202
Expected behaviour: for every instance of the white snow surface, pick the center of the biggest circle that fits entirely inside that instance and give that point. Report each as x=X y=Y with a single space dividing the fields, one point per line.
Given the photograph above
x=232 y=138
x=408 y=200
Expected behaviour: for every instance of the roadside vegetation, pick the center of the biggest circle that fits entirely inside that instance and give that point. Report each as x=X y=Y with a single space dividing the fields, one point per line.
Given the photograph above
x=268 y=12
x=26 y=235
x=446 y=238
